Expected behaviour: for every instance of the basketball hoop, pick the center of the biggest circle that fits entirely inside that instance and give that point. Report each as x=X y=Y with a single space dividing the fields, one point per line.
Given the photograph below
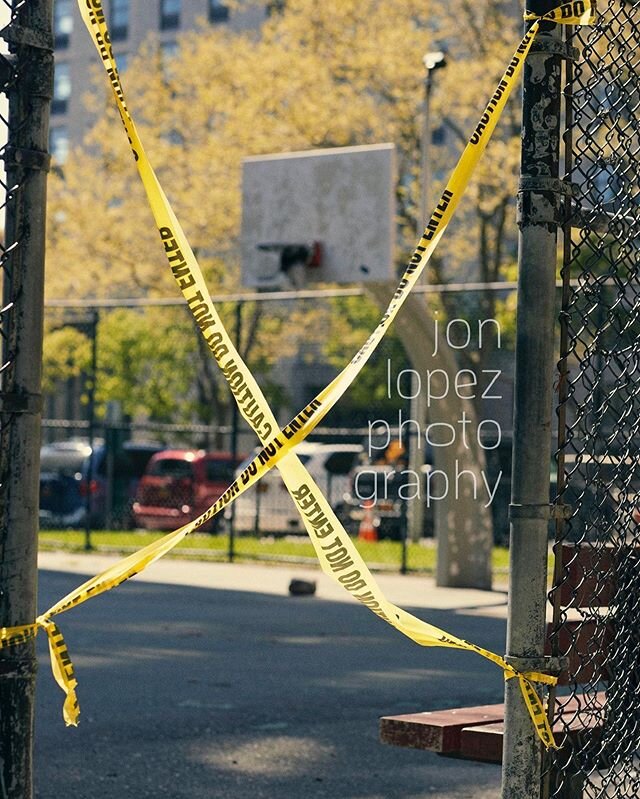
x=291 y=261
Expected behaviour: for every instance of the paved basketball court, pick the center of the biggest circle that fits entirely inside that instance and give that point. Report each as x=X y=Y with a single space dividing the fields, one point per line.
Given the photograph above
x=209 y=680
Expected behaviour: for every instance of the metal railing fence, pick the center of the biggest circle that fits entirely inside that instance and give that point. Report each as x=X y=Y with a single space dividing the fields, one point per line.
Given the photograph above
x=133 y=381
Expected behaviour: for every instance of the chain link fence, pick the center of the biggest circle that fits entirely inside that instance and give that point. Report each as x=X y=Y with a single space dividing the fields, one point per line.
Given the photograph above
x=11 y=236
x=596 y=589
x=140 y=433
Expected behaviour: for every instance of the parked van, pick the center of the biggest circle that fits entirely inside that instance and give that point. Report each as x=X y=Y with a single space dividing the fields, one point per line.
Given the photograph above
x=178 y=485
x=267 y=506
x=76 y=480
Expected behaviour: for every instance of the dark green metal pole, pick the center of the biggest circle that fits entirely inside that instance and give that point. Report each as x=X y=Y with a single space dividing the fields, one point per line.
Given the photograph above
x=235 y=423
x=93 y=331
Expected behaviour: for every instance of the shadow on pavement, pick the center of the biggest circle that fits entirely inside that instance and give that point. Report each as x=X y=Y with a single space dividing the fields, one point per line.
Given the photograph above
x=190 y=692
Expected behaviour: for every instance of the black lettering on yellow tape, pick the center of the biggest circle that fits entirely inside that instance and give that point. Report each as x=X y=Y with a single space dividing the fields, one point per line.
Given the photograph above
x=537 y=713
x=15 y=636
x=433 y=225
x=576 y=12
x=96 y=14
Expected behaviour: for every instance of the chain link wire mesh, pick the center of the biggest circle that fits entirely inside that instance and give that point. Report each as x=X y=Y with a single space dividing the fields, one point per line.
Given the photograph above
x=10 y=233
x=596 y=589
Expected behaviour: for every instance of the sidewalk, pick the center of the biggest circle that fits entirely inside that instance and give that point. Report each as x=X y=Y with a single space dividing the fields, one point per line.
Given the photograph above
x=407 y=591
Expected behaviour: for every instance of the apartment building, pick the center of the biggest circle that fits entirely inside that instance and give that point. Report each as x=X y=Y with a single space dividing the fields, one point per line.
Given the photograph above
x=131 y=22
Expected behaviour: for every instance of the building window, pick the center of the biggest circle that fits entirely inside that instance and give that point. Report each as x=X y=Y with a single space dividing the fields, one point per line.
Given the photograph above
x=59 y=143
x=439 y=135
x=170 y=14
x=218 y=12
x=168 y=51
x=62 y=22
x=276 y=7
x=61 y=88
x=119 y=19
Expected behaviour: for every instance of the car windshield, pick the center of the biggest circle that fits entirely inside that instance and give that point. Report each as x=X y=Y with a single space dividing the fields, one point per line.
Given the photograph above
x=220 y=470
x=71 y=460
x=132 y=461
x=171 y=467
x=341 y=462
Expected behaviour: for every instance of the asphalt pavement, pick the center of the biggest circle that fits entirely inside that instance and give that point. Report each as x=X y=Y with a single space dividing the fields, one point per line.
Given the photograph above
x=208 y=680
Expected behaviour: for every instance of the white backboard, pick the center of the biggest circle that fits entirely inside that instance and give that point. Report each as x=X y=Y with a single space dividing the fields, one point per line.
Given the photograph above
x=342 y=198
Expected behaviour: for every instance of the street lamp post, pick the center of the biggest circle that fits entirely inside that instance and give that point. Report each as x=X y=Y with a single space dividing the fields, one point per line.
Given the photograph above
x=432 y=61
x=415 y=512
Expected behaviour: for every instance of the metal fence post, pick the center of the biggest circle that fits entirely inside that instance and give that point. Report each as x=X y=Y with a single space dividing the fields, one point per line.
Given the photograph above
x=27 y=80
x=540 y=200
x=235 y=425
x=92 y=325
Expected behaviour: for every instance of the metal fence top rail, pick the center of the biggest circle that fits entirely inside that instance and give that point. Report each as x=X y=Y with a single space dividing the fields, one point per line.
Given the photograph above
x=280 y=296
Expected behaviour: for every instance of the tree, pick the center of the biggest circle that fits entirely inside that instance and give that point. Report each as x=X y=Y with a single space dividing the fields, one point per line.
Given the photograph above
x=67 y=354
x=319 y=74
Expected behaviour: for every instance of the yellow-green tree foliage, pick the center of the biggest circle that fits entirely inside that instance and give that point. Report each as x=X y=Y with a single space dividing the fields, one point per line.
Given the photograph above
x=319 y=74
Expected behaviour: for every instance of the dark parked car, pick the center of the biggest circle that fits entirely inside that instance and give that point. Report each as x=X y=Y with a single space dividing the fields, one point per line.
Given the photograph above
x=68 y=491
x=383 y=486
x=179 y=485
x=377 y=484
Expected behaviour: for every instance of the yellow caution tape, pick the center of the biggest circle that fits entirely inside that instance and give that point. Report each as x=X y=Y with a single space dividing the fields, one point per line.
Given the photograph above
x=337 y=554
x=62 y=669
x=61 y=664
x=14 y=636
x=577 y=12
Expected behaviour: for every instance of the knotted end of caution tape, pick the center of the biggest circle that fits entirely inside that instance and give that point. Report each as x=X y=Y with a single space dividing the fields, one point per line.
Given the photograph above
x=533 y=701
x=61 y=664
x=62 y=669
x=526 y=679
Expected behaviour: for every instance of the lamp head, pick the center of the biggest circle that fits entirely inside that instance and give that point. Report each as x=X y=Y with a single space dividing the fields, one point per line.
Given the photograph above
x=434 y=60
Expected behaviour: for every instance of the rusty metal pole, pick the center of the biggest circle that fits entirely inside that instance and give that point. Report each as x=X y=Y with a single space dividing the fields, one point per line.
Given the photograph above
x=540 y=203
x=28 y=82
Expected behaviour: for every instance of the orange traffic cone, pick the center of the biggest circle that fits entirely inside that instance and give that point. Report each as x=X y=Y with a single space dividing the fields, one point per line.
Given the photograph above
x=367 y=530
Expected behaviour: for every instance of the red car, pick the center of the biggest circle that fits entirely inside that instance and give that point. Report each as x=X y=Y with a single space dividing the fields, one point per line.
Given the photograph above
x=178 y=485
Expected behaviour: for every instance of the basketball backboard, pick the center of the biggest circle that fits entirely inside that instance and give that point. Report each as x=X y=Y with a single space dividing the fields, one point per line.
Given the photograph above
x=318 y=216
